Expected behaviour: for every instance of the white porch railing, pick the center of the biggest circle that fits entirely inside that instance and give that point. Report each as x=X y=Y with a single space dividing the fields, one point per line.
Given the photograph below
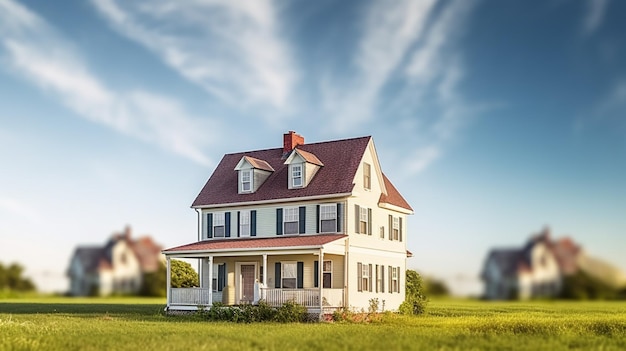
x=305 y=297
x=189 y=296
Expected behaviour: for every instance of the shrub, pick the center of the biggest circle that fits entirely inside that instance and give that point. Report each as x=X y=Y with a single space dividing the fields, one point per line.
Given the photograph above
x=414 y=302
x=291 y=312
x=183 y=275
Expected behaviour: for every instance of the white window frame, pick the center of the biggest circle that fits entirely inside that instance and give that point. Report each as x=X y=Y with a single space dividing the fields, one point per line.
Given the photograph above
x=283 y=276
x=328 y=271
x=367 y=176
x=365 y=277
x=328 y=212
x=219 y=220
x=363 y=218
x=291 y=215
x=244 y=223
x=243 y=174
x=297 y=175
x=394 y=279
x=396 y=228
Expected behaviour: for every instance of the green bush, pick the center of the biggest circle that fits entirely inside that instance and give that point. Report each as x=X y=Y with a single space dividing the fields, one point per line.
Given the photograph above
x=415 y=301
x=289 y=312
x=582 y=286
x=183 y=275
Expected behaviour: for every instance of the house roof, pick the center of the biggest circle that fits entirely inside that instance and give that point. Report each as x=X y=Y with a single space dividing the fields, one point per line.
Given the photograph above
x=341 y=159
x=259 y=164
x=89 y=257
x=309 y=157
x=393 y=196
x=261 y=243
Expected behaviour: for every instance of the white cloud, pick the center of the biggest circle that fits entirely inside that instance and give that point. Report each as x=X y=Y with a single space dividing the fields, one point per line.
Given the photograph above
x=17 y=208
x=230 y=48
x=594 y=15
x=34 y=50
x=422 y=158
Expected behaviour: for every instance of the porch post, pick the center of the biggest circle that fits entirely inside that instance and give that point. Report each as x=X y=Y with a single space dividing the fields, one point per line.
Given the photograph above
x=168 y=291
x=211 y=280
x=320 y=279
x=264 y=276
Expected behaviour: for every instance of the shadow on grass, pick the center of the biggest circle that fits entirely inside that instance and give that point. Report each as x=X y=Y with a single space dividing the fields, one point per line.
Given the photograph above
x=138 y=310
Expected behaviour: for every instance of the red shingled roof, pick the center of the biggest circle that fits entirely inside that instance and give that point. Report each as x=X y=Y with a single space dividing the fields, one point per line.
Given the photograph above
x=341 y=159
x=309 y=157
x=252 y=243
x=259 y=164
x=393 y=196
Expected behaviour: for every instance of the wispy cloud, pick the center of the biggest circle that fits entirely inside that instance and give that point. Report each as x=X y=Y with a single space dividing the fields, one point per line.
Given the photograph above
x=232 y=49
x=34 y=50
x=409 y=71
x=16 y=208
x=594 y=15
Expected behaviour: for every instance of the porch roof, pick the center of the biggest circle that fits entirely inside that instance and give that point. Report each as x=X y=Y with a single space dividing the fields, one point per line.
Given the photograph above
x=276 y=243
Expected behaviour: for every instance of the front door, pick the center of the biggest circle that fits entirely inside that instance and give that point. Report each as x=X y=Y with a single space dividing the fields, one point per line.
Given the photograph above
x=247 y=283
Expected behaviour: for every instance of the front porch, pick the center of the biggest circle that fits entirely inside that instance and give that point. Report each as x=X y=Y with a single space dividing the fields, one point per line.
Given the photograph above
x=314 y=276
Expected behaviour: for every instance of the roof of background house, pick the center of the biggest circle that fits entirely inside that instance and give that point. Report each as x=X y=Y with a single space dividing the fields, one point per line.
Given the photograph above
x=250 y=243
x=340 y=159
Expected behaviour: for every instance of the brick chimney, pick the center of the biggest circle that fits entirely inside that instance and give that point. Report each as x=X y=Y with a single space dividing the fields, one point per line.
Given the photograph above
x=291 y=140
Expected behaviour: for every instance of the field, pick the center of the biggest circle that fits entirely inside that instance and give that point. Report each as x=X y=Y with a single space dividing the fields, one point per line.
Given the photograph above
x=116 y=324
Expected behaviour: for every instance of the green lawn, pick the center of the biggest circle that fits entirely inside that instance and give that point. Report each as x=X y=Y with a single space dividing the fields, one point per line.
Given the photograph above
x=115 y=324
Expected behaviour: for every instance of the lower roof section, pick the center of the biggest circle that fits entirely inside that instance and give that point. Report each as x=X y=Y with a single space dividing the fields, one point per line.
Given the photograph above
x=243 y=244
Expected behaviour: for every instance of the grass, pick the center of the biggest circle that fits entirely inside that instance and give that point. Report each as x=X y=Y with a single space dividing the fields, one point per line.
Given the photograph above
x=123 y=323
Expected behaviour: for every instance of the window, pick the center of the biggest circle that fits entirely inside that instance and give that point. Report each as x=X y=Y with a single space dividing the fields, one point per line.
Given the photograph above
x=327 y=275
x=365 y=277
x=394 y=279
x=244 y=223
x=218 y=225
x=328 y=218
x=380 y=278
x=367 y=176
x=289 y=275
x=246 y=180
x=214 y=279
x=382 y=232
x=396 y=228
x=290 y=220
x=296 y=175
x=363 y=220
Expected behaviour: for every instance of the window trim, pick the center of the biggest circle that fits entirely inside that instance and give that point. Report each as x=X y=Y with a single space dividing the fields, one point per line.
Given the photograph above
x=219 y=216
x=300 y=176
x=367 y=176
x=333 y=210
x=245 y=215
x=282 y=274
x=250 y=174
x=363 y=219
x=394 y=279
x=329 y=272
x=286 y=211
x=365 y=276
x=396 y=228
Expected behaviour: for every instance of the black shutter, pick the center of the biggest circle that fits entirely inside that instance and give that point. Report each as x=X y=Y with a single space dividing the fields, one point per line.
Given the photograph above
x=279 y=221
x=221 y=277
x=390 y=228
x=369 y=221
x=316 y=273
x=227 y=224
x=209 y=225
x=317 y=218
x=339 y=217
x=238 y=223
x=277 y=275
x=400 y=230
x=357 y=212
x=300 y=280
x=359 y=274
x=302 y=219
x=253 y=223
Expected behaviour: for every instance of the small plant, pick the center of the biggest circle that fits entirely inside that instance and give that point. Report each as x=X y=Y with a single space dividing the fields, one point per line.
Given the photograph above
x=414 y=301
x=373 y=308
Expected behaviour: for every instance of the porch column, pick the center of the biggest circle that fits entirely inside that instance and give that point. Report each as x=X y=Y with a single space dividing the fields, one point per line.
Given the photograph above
x=210 y=279
x=168 y=283
x=264 y=276
x=320 y=279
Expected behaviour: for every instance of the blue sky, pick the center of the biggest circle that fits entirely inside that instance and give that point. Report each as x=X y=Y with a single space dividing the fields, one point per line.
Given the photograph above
x=493 y=118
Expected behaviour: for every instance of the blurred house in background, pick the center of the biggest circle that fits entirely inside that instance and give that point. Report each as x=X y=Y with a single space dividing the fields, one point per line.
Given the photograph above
x=538 y=270
x=117 y=267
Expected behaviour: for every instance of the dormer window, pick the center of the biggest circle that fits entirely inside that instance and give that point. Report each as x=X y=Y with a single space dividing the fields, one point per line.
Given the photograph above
x=296 y=175
x=246 y=180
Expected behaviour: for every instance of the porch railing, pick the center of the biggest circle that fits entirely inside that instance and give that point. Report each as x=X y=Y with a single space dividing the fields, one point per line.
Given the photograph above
x=305 y=297
x=190 y=296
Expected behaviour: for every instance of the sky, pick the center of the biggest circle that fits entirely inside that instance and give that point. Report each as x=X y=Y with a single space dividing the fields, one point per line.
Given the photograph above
x=494 y=118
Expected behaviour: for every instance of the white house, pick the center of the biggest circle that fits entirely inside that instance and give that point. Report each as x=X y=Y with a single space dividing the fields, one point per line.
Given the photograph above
x=316 y=223
x=115 y=268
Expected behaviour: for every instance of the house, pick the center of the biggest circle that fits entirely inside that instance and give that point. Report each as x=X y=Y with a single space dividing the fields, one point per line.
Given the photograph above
x=115 y=268
x=537 y=270
x=319 y=224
